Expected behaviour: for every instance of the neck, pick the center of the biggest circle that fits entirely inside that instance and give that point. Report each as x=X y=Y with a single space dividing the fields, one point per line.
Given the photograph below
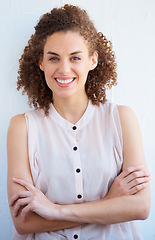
x=71 y=109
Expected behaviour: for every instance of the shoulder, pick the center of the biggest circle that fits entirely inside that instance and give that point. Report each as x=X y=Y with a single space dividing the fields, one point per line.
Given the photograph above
x=17 y=125
x=125 y=110
x=128 y=118
x=132 y=137
x=18 y=120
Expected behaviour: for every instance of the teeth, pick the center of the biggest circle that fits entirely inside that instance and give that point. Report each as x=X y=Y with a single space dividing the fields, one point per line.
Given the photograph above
x=64 y=81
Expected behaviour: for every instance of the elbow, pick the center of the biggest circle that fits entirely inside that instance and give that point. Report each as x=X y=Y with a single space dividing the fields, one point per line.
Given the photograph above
x=144 y=213
x=20 y=227
x=20 y=231
x=142 y=204
x=143 y=210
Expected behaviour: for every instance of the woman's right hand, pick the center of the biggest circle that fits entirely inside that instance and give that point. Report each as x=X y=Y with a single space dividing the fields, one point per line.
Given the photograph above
x=129 y=182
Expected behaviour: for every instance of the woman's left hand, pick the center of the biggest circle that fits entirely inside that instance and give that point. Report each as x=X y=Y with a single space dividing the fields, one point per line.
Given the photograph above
x=33 y=200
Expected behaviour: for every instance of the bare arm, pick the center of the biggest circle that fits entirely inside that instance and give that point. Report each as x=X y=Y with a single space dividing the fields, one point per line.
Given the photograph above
x=18 y=166
x=119 y=208
x=124 y=208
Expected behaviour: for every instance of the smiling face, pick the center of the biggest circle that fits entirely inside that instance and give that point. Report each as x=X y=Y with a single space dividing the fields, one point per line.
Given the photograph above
x=66 y=63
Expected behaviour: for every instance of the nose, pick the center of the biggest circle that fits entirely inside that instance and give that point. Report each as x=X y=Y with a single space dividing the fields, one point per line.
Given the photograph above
x=64 y=67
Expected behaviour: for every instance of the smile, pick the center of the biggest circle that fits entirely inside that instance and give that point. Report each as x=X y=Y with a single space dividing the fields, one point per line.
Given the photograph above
x=64 y=81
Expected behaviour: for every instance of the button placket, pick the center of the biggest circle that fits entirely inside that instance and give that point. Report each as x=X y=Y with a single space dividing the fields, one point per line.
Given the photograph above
x=75 y=236
x=74 y=128
x=77 y=165
x=76 y=233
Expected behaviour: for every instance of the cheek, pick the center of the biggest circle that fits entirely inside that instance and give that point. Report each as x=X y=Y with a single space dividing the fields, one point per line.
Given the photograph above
x=48 y=82
x=48 y=72
x=48 y=76
x=83 y=69
x=85 y=72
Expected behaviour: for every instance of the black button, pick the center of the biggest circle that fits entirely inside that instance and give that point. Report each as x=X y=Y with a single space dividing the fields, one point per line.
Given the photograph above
x=79 y=196
x=76 y=236
x=78 y=170
x=74 y=127
x=74 y=148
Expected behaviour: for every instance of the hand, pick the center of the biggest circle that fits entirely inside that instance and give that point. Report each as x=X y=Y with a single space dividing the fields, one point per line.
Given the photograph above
x=33 y=200
x=129 y=182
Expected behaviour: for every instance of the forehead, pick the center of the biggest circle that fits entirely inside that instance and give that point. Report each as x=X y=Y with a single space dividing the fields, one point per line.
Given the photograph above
x=66 y=41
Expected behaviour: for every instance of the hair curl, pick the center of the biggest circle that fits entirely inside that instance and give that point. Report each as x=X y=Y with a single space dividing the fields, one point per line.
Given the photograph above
x=32 y=80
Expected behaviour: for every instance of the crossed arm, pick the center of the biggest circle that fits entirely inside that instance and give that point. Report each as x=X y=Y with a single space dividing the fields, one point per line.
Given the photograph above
x=128 y=198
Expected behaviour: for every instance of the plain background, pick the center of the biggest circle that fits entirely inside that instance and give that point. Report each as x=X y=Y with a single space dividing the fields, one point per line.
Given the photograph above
x=130 y=25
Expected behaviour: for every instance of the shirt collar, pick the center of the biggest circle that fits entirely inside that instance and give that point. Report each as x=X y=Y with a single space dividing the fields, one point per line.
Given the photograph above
x=83 y=121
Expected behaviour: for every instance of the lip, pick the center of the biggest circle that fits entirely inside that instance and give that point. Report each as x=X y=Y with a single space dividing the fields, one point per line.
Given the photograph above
x=64 y=78
x=60 y=84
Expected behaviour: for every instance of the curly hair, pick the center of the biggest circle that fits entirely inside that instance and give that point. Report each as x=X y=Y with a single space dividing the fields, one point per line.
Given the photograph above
x=32 y=80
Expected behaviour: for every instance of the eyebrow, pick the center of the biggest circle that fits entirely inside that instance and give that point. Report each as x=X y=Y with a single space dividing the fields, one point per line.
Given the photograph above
x=56 y=54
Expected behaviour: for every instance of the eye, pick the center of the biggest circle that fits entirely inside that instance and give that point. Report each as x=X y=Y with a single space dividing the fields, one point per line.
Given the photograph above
x=75 y=58
x=53 y=59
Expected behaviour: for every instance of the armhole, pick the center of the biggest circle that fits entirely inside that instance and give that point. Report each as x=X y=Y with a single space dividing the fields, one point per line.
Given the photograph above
x=31 y=133
x=32 y=146
x=118 y=125
x=117 y=135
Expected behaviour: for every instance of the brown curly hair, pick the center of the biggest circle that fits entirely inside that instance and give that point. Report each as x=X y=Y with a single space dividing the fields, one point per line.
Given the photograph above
x=32 y=80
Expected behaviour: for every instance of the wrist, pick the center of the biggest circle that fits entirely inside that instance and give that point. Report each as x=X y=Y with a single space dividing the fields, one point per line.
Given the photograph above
x=65 y=212
x=61 y=213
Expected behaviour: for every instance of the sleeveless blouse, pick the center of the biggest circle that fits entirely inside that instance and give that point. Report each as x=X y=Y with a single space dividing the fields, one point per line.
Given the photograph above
x=75 y=164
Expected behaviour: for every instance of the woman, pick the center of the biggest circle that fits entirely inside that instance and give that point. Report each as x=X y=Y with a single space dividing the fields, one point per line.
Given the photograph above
x=76 y=166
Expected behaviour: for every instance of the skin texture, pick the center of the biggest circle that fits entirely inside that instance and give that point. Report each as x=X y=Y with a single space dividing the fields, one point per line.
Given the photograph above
x=129 y=196
x=68 y=65
x=30 y=78
x=71 y=61
x=35 y=199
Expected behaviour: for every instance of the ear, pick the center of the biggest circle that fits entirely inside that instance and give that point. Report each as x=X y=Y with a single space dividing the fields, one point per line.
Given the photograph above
x=40 y=63
x=94 y=61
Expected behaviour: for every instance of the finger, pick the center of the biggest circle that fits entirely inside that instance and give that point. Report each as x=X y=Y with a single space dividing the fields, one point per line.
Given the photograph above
x=24 y=211
x=137 y=188
x=137 y=174
x=131 y=169
x=18 y=195
x=24 y=183
x=138 y=181
x=19 y=204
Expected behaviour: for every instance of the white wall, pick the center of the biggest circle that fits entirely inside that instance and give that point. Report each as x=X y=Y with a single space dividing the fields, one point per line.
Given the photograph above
x=130 y=25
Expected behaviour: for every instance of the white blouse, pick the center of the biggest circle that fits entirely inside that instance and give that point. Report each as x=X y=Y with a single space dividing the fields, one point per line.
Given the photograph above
x=75 y=164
